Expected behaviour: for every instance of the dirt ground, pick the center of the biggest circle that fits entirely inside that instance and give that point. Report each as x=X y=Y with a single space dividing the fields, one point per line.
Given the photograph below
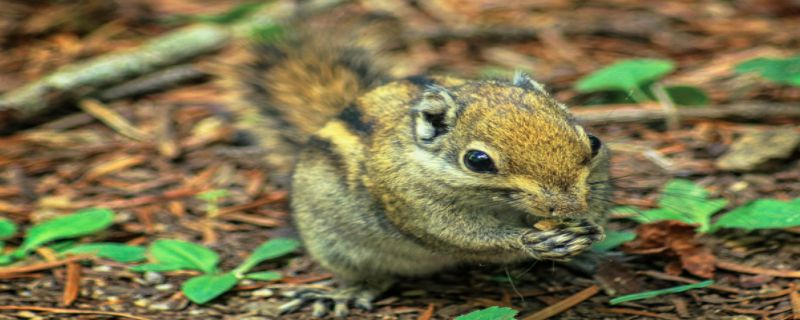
x=71 y=159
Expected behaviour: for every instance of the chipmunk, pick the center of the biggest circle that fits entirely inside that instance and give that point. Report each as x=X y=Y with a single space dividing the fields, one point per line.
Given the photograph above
x=407 y=177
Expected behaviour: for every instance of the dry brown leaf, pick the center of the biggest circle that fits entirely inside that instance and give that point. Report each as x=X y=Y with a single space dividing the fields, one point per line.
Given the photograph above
x=674 y=239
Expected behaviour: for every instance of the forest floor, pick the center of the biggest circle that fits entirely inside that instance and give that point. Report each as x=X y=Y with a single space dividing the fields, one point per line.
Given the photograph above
x=182 y=143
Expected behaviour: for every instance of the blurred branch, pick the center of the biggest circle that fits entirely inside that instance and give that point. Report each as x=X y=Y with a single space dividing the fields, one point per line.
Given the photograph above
x=79 y=79
x=76 y=81
x=743 y=111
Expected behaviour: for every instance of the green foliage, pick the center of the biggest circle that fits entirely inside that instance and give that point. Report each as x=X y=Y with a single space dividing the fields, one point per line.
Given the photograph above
x=213 y=195
x=264 y=276
x=74 y=225
x=633 y=78
x=683 y=200
x=269 y=250
x=656 y=293
x=182 y=255
x=625 y=75
x=171 y=255
x=212 y=198
x=613 y=239
x=7 y=229
x=784 y=71
x=762 y=214
x=687 y=96
x=115 y=251
x=204 y=288
x=490 y=313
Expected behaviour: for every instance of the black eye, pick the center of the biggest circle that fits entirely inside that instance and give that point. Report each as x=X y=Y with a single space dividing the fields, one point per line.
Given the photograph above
x=479 y=161
x=596 y=144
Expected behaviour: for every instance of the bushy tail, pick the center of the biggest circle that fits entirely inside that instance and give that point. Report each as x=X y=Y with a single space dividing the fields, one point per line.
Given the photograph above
x=287 y=90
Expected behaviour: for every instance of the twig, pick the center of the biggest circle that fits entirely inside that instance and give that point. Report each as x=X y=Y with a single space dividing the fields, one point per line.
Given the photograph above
x=654 y=113
x=41 y=266
x=112 y=119
x=73 y=311
x=270 y=198
x=670 y=112
x=156 y=81
x=565 y=304
x=635 y=312
x=72 y=284
x=794 y=296
x=730 y=266
x=427 y=314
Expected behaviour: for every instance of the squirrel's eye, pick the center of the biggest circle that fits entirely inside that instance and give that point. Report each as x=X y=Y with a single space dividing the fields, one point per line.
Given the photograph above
x=596 y=144
x=479 y=161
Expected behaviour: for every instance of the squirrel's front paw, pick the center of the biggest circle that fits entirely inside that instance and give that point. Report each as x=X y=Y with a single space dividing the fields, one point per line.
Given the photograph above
x=562 y=242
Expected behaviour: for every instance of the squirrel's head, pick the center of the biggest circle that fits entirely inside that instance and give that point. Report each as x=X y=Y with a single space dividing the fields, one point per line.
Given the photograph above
x=510 y=144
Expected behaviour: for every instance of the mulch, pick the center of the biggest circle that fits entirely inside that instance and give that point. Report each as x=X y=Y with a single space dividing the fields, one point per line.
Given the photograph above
x=147 y=158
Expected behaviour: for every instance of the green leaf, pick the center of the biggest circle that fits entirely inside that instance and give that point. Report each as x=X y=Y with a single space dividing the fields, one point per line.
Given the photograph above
x=626 y=75
x=7 y=228
x=187 y=255
x=656 y=293
x=685 y=201
x=490 y=313
x=268 y=250
x=613 y=239
x=783 y=71
x=687 y=96
x=213 y=195
x=264 y=276
x=202 y=289
x=762 y=214
x=74 y=225
x=114 y=251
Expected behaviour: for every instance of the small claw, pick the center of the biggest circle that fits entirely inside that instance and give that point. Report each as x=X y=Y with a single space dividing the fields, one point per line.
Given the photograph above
x=340 y=309
x=363 y=303
x=291 y=306
x=319 y=309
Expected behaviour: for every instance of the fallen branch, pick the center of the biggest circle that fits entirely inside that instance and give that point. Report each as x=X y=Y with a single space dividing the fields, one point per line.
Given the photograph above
x=93 y=77
x=746 y=111
x=735 y=267
x=72 y=81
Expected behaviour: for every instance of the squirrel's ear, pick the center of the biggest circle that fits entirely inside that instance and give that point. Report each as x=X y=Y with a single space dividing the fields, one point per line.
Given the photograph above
x=434 y=115
x=522 y=80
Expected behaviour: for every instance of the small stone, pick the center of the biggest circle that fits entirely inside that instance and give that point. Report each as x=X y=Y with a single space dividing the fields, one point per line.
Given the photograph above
x=141 y=302
x=197 y=312
x=161 y=306
x=164 y=287
x=263 y=293
x=153 y=277
x=758 y=150
x=102 y=268
x=26 y=314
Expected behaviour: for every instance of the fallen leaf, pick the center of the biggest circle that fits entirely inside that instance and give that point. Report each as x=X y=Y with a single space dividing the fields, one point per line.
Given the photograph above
x=674 y=239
